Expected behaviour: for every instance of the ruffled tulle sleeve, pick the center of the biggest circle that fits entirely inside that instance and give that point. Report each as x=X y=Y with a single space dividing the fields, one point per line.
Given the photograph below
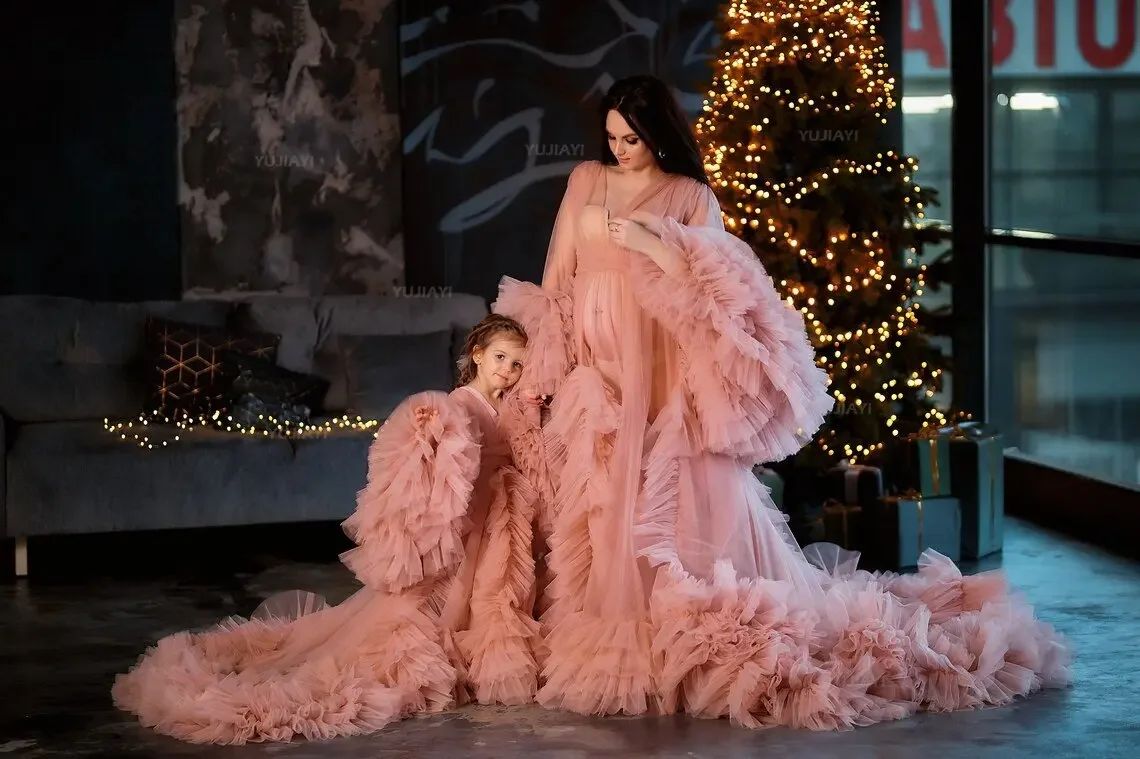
x=546 y=312
x=411 y=517
x=751 y=373
x=547 y=316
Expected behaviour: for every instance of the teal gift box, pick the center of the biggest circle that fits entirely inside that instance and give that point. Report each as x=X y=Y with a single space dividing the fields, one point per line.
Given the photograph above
x=978 y=463
x=926 y=467
x=774 y=483
x=910 y=523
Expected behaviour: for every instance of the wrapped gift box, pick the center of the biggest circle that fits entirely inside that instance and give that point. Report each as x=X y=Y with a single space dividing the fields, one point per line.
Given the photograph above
x=978 y=462
x=843 y=524
x=922 y=464
x=773 y=481
x=908 y=524
x=855 y=484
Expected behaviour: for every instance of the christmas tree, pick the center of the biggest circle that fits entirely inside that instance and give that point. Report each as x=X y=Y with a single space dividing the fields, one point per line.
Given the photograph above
x=791 y=135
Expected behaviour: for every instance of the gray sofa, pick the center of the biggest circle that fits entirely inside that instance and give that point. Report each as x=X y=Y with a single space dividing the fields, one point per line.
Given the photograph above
x=69 y=369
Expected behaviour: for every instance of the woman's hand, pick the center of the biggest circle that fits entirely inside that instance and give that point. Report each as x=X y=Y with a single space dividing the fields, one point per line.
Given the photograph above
x=637 y=237
x=652 y=222
x=630 y=234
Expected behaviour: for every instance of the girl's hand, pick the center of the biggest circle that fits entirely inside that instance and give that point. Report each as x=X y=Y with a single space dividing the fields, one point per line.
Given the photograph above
x=532 y=396
x=423 y=416
x=630 y=234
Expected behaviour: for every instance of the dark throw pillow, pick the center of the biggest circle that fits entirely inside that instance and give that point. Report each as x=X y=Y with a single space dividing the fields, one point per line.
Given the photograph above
x=188 y=371
x=383 y=370
x=271 y=383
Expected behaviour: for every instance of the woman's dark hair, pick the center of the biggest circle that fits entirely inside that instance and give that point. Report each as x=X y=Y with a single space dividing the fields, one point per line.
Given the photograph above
x=649 y=107
x=480 y=336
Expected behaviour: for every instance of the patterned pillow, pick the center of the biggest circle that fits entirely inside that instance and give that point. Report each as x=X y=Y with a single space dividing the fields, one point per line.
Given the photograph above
x=188 y=367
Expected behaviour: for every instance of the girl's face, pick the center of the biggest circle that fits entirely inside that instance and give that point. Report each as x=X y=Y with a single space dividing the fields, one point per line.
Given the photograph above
x=500 y=363
x=631 y=151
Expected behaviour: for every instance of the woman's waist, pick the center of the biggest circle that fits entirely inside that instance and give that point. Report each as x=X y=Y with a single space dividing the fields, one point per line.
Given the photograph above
x=606 y=259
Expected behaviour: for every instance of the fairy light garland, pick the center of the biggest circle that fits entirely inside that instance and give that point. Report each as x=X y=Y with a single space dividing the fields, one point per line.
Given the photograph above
x=141 y=430
x=748 y=115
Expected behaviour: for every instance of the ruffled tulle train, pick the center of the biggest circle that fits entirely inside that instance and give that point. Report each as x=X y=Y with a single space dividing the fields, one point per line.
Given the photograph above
x=735 y=620
x=805 y=644
x=445 y=550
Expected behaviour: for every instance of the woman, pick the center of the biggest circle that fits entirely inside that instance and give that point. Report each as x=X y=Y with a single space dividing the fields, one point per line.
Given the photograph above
x=673 y=582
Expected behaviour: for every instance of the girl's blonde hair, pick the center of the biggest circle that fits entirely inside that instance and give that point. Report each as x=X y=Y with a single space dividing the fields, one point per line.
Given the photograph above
x=480 y=336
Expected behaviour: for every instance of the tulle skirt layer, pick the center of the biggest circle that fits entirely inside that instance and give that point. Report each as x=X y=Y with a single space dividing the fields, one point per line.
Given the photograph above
x=737 y=620
x=445 y=551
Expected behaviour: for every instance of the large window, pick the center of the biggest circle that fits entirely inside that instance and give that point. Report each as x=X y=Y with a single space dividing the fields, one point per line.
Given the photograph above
x=1065 y=350
x=925 y=110
x=1065 y=131
x=1063 y=320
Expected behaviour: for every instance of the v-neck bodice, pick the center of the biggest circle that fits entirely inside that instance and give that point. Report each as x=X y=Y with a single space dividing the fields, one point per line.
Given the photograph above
x=596 y=253
x=636 y=200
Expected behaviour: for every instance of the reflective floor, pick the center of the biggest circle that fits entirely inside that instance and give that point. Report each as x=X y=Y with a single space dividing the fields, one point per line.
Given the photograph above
x=62 y=639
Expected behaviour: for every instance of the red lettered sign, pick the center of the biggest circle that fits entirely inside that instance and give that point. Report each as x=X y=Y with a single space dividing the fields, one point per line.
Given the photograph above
x=1031 y=37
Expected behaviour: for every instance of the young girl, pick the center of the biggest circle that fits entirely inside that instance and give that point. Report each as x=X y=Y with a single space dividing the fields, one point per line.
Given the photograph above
x=444 y=550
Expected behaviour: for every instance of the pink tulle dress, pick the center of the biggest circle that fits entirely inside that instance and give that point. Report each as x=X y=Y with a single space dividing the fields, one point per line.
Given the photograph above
x=671 y=581
x=445 y=553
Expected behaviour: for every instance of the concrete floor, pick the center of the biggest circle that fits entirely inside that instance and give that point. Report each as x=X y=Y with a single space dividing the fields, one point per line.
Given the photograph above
x=63 y=640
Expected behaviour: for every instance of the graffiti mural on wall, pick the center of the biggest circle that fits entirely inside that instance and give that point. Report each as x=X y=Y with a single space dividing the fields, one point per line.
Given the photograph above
x=499 y=103
x=288 y=148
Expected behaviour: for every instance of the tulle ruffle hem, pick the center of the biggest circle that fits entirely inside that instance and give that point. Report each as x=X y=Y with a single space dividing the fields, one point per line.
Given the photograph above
x=301 y=669
x=756 y=389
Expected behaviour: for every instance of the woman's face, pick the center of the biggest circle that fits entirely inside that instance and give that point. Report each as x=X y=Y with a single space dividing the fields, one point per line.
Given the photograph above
x=632 y=153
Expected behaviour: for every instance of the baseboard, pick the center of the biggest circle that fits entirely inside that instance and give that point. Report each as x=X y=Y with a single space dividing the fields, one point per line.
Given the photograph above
x=1101 y=513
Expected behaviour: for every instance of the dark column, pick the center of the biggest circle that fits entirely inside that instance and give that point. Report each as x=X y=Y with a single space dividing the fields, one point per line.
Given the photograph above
x=970 y=31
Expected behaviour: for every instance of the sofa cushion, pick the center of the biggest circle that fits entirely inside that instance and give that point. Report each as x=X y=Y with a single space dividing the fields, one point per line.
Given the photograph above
x=370 y=315
x=383 y=370
x=310 y=325
x=294 y=318
x=71 y=359
x=188 y=366
x=75 y=478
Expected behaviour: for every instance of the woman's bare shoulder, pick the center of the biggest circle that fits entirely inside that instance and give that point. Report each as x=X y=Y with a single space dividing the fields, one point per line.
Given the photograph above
x=587 y=169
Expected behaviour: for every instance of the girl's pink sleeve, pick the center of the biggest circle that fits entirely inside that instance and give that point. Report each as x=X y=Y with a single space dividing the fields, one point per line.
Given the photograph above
x=411 y=516
x=754 y=384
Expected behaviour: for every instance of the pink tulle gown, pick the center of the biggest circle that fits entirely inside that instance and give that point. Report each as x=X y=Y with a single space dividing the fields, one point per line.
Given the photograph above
x=444 y=549
x=672 y=583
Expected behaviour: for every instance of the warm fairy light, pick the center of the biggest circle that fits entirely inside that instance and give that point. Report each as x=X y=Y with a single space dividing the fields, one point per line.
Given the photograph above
x=139 y=430
x=805 y=84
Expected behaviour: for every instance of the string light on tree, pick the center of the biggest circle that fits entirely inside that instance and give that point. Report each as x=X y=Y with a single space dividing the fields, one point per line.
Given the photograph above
x=790 y=136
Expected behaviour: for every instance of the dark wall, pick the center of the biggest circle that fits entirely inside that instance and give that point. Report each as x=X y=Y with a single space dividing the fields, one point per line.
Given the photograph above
x=498 y=103
x=90 y=185
x=217 y=145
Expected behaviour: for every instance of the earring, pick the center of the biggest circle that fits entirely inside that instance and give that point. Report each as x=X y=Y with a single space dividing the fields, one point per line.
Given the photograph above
x=660 y=153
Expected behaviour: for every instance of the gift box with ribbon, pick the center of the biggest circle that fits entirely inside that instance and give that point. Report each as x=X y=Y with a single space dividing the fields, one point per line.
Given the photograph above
x=843 y=524
x=855 y=484
x=773 y=481
x=923 y=463
x=978 y=462
x=909 y=523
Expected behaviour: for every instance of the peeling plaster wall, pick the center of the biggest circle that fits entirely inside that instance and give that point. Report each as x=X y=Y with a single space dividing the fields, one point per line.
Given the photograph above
x=289 y=146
